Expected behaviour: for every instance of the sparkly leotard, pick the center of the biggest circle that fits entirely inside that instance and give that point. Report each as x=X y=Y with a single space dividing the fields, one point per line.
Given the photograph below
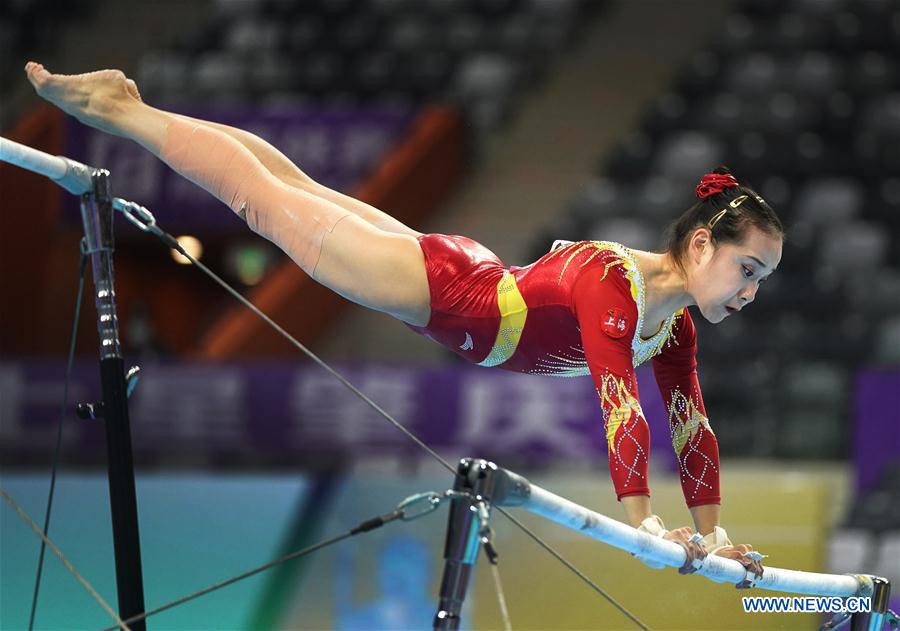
x=578 y=311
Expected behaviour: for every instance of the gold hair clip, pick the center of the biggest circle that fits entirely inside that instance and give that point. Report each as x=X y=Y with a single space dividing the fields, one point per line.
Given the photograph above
x=737 y=201
x=712 y=222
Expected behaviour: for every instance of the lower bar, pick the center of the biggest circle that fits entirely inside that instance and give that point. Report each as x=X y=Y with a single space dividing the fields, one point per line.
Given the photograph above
x=615 y=533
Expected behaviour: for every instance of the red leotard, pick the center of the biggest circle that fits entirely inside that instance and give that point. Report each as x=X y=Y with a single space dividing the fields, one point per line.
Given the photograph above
x=578 y=311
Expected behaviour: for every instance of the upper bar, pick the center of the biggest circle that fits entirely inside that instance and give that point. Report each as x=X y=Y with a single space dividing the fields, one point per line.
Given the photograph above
x=719 y=569
x=71 y=175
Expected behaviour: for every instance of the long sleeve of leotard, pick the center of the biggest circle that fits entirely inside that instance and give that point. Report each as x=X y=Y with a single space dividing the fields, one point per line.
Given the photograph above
x=607 y=316
x=693 y=439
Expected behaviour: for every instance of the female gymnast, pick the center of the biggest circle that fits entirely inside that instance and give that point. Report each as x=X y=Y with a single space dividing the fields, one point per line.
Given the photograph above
x=586 y=308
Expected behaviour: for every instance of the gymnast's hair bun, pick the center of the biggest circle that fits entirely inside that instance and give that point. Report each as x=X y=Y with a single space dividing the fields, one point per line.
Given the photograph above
x=715 y=182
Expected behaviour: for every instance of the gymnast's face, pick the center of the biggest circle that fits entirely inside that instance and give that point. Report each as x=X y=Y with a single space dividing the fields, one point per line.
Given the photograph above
x=724 y=278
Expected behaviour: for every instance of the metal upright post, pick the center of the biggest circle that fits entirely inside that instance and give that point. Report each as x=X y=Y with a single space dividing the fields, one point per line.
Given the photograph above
x=96 y=215
x=483 y=483
x=875 y=619
x=474 y=477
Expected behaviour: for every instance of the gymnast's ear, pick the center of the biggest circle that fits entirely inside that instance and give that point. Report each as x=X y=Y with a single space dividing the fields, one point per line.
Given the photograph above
x=698 y=242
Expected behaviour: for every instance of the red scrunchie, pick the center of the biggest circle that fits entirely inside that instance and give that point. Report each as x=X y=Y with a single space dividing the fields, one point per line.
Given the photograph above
x=713 y=183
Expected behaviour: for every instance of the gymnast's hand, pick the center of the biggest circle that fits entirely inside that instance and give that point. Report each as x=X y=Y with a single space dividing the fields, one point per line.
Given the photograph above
x=691 y=544
x=684 y=537
x=718 y=544
x=740 y=553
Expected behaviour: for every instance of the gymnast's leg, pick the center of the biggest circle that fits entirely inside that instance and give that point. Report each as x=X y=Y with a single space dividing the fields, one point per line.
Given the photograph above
x=373 y=267
x=289 y=173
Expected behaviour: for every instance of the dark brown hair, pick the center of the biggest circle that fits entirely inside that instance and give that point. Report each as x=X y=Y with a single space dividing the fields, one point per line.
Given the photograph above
x=731 y=227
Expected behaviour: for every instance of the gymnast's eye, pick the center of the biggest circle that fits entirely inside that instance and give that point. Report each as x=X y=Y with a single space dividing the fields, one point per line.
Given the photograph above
x=747 y=272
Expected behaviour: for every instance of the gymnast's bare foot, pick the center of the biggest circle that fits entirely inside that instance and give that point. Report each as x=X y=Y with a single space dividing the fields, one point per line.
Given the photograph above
x=96 y=99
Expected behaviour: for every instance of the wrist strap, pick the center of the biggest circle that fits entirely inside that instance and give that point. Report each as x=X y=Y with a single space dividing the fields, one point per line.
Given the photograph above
x=715 y=540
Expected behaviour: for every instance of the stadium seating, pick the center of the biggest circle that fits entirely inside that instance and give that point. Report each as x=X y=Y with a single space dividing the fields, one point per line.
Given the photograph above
x=478 y=54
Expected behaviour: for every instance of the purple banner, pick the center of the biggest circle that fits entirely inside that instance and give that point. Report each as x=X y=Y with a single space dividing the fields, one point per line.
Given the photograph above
x=335 y=147
x=281 y=412
x=876 y=430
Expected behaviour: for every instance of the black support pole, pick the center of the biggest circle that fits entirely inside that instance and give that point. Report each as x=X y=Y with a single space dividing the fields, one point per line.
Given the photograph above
x=485 y=484
x=461 y=546
x=96 y=215
x=875 y=619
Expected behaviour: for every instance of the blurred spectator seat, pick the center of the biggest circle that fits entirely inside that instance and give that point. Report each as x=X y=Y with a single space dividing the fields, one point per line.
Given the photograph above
x=487 y=82
x=682 y=155
x=629 y=231
x=854 y=248
x=815 y=72
x=657 y=195
x=600 y=197
x=886 y=350
x=217 y=72
x=755 y=74
x=253 y=34
x=825 y=201
x=630 y=157
x=873 y=72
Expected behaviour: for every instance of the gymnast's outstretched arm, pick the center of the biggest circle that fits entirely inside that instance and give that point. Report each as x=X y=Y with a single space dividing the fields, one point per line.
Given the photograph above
x=371 y=266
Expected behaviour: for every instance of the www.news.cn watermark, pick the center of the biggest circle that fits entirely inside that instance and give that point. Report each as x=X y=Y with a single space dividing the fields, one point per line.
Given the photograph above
x=806 y=604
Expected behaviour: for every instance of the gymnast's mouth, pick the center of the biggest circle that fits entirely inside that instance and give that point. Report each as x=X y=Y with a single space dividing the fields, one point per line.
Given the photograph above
x=731 y=310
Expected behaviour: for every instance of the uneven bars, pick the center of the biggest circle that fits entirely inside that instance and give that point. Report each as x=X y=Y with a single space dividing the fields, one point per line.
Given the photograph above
x=70 y=174
x=721 y=570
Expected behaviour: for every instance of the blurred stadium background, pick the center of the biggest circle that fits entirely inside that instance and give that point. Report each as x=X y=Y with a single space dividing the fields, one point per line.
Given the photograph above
x=514 y=122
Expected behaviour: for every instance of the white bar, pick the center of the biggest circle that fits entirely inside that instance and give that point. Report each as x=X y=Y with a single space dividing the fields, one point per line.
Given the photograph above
x=71 y=175
x=32 y=159
x=718 y=569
